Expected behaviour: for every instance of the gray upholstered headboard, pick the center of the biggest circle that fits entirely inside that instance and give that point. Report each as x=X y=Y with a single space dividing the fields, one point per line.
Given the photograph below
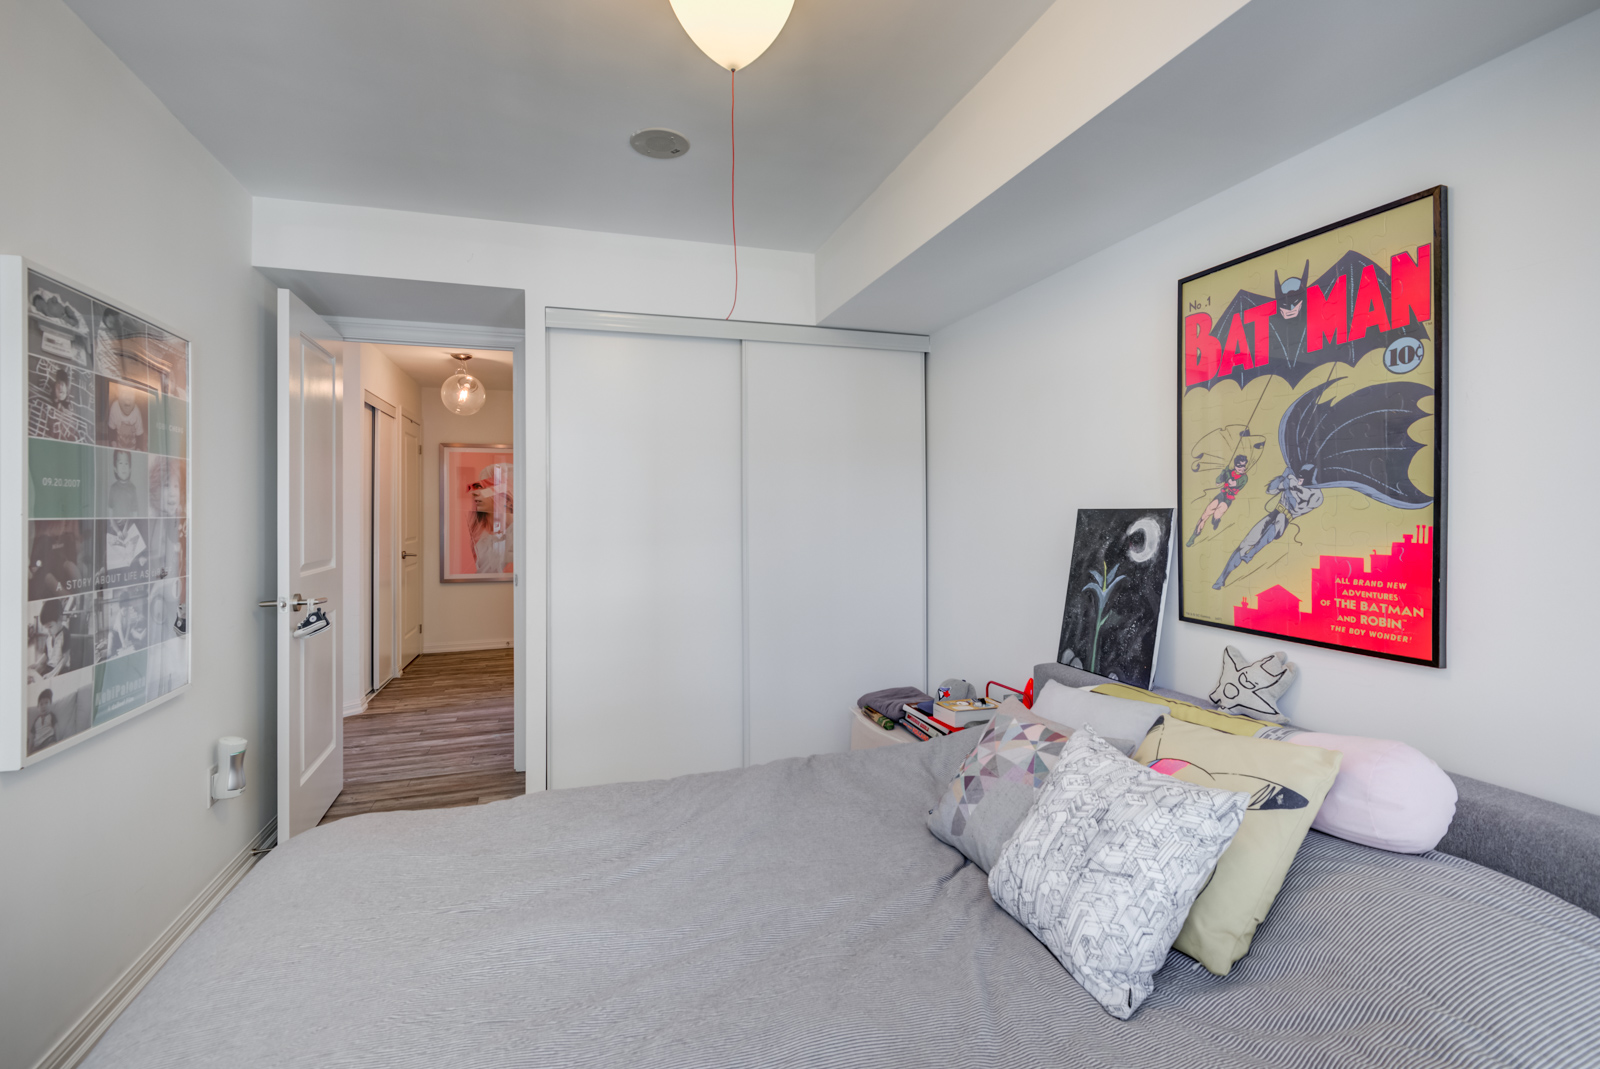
x=1551 y=846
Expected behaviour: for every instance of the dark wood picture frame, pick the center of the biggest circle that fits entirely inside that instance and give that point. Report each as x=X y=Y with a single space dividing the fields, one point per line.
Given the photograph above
x=1351 y=489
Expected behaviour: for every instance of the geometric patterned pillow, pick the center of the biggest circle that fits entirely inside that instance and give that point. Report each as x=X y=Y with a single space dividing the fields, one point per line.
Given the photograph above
x=995 y=786
x=1104 y=867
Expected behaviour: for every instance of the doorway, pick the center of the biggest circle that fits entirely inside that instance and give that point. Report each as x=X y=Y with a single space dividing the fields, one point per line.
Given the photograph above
x=423 y=677
x=435 y=723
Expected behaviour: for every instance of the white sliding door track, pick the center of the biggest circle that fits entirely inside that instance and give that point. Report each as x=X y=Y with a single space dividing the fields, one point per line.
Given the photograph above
x=731 y=329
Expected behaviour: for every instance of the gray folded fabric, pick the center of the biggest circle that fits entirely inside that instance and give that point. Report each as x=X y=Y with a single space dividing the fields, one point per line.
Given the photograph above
x=892 y=702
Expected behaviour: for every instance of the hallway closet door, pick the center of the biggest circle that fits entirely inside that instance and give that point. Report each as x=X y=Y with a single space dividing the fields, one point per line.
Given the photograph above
x=385 y=445
x=835 y=523
x=368 y=663
x=410 y=540
x=645 y=587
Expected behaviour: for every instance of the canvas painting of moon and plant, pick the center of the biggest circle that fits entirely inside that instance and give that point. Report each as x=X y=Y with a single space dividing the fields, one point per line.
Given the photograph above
x=1115 y=593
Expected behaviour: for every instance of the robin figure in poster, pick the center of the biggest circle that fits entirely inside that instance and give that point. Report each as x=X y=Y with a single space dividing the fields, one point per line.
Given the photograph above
x=1232 y=481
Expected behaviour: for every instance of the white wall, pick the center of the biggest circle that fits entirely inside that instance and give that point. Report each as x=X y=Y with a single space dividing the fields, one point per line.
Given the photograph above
x=460 y=616
x=1072 y=381
x=102 y=846
x=554 y=267
x=380 y=377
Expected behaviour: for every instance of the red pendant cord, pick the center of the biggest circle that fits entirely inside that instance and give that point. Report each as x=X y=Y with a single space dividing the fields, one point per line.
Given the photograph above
x=733 y=212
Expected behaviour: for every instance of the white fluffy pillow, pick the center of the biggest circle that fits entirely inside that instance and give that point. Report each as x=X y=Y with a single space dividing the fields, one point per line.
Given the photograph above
x=1388 y=795
x=1121 y=722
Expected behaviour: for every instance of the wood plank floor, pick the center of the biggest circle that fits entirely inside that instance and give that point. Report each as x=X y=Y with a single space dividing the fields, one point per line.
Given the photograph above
x=439 y=736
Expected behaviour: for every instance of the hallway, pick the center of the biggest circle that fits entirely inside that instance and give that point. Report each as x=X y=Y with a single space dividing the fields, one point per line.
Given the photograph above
x=438 y=736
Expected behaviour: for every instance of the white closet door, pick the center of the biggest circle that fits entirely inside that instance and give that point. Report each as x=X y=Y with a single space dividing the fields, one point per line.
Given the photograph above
x=383 y=551
x=835 y=519
x=645 y=597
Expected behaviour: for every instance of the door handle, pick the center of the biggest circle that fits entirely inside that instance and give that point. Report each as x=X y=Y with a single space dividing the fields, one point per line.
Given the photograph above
x=296 y=602
x=404 y=554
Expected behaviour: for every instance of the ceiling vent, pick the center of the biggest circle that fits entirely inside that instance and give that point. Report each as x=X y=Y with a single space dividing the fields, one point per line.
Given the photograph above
x=659 y=144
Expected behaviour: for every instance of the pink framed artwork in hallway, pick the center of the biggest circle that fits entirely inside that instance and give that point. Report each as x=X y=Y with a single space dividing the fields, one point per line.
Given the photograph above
x=476 y=513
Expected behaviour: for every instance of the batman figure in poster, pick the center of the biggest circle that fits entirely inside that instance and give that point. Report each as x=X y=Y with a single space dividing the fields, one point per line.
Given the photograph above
x=1360 y=442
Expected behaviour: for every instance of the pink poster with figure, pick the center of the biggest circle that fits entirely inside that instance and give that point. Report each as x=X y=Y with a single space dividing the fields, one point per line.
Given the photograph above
x=476 y=508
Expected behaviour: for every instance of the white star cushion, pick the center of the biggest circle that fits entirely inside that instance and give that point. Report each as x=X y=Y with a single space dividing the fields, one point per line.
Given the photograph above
x=1254 y=688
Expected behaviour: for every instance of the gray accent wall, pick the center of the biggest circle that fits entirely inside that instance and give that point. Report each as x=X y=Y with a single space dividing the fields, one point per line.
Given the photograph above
x=103 y=846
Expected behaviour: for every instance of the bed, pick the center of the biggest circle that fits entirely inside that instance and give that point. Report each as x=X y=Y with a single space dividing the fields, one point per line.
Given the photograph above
x=800 y=914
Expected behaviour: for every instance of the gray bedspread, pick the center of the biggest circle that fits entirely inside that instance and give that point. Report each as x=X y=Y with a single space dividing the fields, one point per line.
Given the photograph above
x=800 y=914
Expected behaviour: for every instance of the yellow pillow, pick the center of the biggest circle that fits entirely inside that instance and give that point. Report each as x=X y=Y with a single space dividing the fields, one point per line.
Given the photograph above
x=1286 y=784
x=1194 y=714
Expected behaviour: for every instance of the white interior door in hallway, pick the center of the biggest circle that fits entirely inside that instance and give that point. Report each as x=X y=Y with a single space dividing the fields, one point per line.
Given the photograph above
x=385 y=546
x=365 y=663
x=410 y=540
x=737 y=541
x=310 y=566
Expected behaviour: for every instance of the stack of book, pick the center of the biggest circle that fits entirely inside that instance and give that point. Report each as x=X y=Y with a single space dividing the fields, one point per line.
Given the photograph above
x=932 y=720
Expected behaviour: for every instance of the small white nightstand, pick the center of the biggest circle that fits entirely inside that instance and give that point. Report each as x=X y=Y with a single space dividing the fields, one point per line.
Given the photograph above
x=865 y=735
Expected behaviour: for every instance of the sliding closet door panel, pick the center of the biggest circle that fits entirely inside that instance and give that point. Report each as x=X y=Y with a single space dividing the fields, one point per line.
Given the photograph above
x=835 y=520
x=645 y=597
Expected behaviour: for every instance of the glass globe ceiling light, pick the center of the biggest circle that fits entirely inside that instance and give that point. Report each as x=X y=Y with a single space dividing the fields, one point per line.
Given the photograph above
x=733 y=32
x=461 y=393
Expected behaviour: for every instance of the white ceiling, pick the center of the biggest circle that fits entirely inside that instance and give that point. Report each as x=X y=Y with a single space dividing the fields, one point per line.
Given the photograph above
x=521 y=109
x=429 y=367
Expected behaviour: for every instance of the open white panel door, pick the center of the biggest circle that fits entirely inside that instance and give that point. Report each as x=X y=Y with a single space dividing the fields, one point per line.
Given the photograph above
x=310 y=567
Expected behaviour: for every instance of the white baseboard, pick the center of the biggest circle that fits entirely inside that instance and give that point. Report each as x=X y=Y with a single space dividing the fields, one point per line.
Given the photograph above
x=357 y=706
x=71 y=1048
x=465 y=647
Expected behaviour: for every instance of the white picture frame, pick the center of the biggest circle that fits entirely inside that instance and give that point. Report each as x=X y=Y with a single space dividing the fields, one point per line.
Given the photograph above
x=95 y=600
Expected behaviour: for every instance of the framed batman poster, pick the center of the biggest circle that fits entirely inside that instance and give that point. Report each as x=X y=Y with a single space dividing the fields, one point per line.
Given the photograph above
x=1311 y=437
x=95 y=487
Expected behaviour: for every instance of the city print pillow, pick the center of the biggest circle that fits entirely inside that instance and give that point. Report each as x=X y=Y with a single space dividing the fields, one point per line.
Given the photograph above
x=1104 y=867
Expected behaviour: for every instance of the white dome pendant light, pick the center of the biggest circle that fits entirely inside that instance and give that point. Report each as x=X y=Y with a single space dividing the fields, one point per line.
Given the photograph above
x=461 y=393
x=733 y=33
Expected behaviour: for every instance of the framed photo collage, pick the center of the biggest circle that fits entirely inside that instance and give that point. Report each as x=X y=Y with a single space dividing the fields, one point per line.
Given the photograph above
x=106 y=627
